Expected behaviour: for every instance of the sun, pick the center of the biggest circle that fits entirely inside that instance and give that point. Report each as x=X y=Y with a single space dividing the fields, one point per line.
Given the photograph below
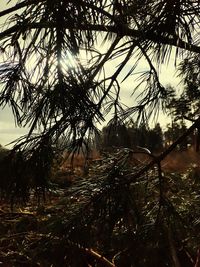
x=69 y=62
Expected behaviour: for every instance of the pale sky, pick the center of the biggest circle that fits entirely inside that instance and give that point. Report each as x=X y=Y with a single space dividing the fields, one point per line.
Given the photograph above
x=9 y=132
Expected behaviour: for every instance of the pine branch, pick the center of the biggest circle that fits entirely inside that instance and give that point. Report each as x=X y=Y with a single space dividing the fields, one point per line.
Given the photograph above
x=19 y=6
x=163 y=155
x=121 y=30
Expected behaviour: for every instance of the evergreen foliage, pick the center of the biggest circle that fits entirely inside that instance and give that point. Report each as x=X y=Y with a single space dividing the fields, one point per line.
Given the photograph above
x=131 y=212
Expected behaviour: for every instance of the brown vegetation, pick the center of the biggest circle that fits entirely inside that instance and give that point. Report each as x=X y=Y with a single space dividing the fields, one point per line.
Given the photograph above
x=180 y=161
x=176 y=161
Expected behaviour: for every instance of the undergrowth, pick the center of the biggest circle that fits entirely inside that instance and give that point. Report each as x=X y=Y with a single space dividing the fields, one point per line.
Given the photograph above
x=115 y=216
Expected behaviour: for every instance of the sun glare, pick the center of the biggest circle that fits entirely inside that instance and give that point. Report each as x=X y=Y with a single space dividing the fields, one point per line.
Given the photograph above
x=69 y=61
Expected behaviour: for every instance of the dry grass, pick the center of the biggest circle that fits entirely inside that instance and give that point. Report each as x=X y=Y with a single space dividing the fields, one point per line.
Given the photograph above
x=180 y=161
x=177 y=161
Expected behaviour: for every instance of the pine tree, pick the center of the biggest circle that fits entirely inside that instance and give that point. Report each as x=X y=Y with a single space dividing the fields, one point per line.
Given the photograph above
x=132 y=213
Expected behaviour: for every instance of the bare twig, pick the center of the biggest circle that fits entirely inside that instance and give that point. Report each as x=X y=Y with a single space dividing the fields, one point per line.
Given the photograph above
x=99 y=258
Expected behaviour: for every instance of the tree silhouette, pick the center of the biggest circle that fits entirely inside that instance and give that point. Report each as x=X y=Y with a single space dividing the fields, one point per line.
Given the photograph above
x=116 y=134
x=53 y=92
x=186 y=107
x=172 y=133
x=156 y=138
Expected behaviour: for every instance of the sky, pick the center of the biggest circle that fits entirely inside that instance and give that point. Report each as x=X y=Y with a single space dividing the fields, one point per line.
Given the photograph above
x=9 y=131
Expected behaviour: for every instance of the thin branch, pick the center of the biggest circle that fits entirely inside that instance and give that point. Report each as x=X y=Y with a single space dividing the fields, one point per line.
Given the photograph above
x=121 y=30
x=106 y=57
x=99 y=257
x=19 y=6
x=115 y=75
x=163 y=155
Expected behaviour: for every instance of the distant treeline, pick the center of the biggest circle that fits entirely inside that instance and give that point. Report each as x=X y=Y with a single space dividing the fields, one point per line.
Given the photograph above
x=155 y=139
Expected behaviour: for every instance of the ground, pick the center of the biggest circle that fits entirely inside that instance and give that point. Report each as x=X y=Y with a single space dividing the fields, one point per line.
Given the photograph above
x=29 y=235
